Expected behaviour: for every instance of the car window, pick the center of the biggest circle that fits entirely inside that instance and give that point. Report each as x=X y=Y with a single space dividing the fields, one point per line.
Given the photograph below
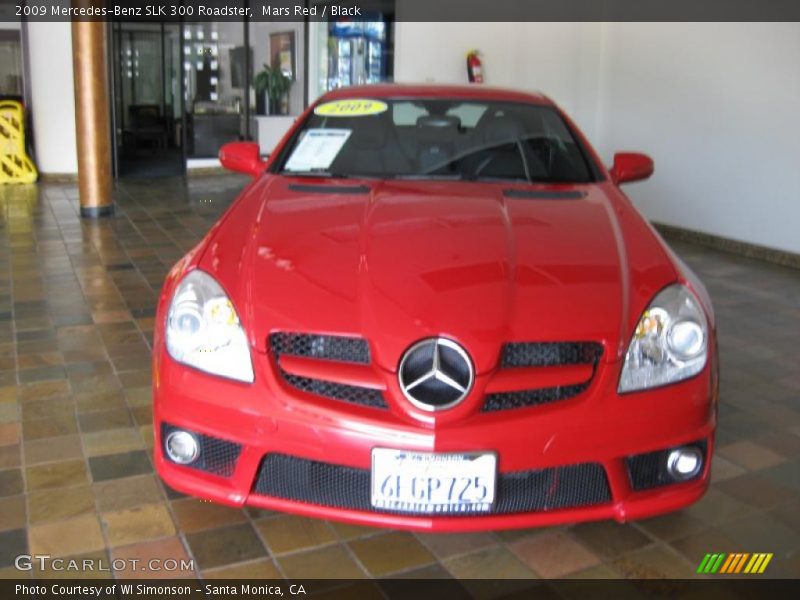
x=432 y=138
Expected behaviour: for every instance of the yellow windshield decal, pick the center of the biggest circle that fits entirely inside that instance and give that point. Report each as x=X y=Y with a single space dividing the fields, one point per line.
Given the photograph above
x=352 y=107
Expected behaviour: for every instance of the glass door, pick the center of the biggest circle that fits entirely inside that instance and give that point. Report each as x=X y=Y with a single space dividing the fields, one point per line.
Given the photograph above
x=147 y=110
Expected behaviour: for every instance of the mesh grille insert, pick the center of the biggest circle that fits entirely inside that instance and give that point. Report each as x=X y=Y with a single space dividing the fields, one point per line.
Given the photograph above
x=217 y=456
x=526 y=398
x=337 y=391
x=550 y=354
x=543 y=354
x=325 y=484
x=326 y=347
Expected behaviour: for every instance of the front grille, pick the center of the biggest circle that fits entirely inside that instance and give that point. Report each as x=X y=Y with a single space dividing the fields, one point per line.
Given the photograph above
x=337 y=391
x=313 y=482
x=527 y=398
x=647 y=471
x=549 y=354
x=217 y=456
x=542 y=354
x=328 y=348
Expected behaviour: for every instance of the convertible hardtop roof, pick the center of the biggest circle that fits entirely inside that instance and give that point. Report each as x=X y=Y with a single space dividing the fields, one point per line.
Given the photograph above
x=467 y=92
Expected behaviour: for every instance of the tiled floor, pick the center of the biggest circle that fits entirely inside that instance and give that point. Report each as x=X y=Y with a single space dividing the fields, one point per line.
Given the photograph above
x=76 y=312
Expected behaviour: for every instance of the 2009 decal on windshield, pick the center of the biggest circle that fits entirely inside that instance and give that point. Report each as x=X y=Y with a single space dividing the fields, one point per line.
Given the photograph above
x=352 y=107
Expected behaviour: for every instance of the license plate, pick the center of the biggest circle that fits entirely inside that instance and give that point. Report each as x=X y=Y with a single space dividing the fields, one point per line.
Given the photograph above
x=429 y=483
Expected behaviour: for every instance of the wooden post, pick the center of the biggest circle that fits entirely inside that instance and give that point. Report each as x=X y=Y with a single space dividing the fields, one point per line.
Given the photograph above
x=92 y=118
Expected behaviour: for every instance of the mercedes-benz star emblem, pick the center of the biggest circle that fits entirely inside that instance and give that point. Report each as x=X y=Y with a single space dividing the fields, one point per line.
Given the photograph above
x=435 y=374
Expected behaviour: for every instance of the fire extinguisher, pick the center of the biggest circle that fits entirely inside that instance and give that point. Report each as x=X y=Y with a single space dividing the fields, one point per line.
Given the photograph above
x=474 y=67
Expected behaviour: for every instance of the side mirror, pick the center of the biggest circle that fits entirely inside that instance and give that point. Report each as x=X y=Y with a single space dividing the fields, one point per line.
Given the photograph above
x=242 y=157
x=631 y=166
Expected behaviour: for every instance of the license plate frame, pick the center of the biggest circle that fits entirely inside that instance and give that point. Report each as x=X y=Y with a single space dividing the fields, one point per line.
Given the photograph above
x=425 y=483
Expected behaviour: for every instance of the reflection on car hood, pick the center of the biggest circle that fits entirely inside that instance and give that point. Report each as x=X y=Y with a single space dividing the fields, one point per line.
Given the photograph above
x=395 y=262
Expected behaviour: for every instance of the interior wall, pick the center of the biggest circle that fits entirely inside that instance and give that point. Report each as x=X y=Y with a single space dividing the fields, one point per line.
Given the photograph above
x=562 y=60
x=716 y=106
x=52 y=101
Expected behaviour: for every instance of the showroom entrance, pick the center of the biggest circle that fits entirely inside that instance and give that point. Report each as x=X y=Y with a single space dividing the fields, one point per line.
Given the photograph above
x=145 y=65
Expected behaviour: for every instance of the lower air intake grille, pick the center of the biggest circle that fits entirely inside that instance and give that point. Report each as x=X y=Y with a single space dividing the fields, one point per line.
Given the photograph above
x=325 y=484
x=217 y=456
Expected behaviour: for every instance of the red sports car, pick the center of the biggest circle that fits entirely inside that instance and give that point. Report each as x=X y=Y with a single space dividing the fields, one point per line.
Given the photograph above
x=434 y=309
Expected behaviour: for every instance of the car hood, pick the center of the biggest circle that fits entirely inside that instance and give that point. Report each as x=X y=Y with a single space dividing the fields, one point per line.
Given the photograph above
x=397 y=261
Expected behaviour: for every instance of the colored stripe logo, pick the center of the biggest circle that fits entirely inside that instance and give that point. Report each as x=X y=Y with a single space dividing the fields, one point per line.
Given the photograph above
x=738 y=562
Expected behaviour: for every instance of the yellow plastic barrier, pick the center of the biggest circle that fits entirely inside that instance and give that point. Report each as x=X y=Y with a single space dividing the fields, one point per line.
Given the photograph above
x=15 y=165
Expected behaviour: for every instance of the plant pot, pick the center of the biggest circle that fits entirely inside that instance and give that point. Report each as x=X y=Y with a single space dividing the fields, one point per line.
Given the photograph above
x=261 y=103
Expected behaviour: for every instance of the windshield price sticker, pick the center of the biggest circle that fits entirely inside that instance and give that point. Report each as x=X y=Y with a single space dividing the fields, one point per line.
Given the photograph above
x=318 y=149
x=427 y=483
x=352 y=107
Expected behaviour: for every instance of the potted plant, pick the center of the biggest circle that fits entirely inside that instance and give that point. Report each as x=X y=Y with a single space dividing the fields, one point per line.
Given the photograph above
x=273 y=85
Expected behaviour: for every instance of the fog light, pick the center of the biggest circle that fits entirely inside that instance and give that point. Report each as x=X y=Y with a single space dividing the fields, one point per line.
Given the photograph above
x=182 y=447
x=685 y=462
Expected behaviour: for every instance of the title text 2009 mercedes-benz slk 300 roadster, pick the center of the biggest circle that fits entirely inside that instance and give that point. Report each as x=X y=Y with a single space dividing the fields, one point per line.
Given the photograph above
x=433 y=308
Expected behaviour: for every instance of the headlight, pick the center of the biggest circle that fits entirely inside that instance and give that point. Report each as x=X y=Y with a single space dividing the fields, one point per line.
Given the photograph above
x=670 y=343
x=203 y=329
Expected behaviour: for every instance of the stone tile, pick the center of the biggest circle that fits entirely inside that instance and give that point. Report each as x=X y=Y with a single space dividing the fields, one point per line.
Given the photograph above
x=657 y=562
x=56 y=475
x=13 y=542
x=97 y=566
x=262 y=568
x=553 y=554
x=104 y=419
x=717 y=507
x=112 y=441
x=12 y=512
x=695 y=546
x=496 y=572
x=68 y=537
x=9 y=434
x=50 y=427
x=722 y=469
x=291 y=533
x=390 y=553
x=11 y=482
x=756 y=490
x=749 y=455
x=330 y=562
x=127 y=492
x=608 y=539
x=193 y=514
x=672 y=525
x=115 y=466
x=139 y=560
x=225 y=546
x=52 y=505
x=52 y=449
x=10 y=456
x=348 y=531
x=139 y=523
x=445 y=545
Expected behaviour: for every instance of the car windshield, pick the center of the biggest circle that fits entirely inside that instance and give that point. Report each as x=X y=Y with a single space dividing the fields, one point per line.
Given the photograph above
x=425 y=138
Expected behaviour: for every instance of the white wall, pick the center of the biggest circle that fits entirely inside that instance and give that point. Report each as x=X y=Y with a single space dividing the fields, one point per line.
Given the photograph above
x=561 y=60
x=717 y=105
x=52 y=102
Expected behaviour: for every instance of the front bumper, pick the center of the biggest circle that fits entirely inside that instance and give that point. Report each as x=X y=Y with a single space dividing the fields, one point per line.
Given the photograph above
x=597 y=426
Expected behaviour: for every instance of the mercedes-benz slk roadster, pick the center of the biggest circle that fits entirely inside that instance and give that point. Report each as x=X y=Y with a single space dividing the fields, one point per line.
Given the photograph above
x=434 y=309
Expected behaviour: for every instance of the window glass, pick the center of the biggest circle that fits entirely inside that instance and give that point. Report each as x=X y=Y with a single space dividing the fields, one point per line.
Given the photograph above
x=437 y=138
